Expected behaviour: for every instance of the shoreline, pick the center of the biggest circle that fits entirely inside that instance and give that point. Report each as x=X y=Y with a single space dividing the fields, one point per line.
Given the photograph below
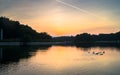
x=31 y=43
x=55 y=43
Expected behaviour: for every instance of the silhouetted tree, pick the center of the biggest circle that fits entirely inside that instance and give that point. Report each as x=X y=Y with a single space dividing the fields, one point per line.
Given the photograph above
x=85 y=37
x=15 y=30
x=44 y=37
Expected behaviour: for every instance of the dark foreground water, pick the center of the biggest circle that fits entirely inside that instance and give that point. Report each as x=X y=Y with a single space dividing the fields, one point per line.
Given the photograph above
x=59 y=60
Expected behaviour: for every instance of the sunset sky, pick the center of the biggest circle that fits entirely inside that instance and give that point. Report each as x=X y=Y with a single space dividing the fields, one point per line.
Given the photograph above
x=65 y=17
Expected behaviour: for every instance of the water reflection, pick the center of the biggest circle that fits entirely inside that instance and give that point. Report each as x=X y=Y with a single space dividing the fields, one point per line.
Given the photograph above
x=16 y=53
x=60 y=60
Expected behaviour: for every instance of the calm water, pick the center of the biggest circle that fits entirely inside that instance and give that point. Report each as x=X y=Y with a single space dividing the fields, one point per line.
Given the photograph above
x=59 y=60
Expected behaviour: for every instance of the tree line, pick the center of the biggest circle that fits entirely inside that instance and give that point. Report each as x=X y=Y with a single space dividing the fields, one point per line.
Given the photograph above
x=13 y=30
x=100 y=38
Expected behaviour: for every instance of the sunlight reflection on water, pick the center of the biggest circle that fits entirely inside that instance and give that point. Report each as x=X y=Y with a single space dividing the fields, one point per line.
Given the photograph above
x=61 y=60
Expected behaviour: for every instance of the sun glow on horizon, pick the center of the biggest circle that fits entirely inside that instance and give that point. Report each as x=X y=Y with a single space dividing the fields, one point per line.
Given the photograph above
x=62 y=24
x=63 y=17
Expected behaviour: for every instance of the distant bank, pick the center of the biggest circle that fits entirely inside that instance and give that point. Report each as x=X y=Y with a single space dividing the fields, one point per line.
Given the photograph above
x=31 y=43
x=15 y=33
x=56 y=43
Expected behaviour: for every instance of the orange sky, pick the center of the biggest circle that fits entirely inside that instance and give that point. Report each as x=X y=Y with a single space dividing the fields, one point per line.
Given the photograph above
x=66 y=17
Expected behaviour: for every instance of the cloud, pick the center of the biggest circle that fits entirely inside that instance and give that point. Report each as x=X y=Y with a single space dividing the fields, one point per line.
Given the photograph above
x=80 y=9
x=25 y=8
x=73 y=15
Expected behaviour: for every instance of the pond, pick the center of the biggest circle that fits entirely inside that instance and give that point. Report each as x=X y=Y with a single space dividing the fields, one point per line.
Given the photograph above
x=59 y=60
